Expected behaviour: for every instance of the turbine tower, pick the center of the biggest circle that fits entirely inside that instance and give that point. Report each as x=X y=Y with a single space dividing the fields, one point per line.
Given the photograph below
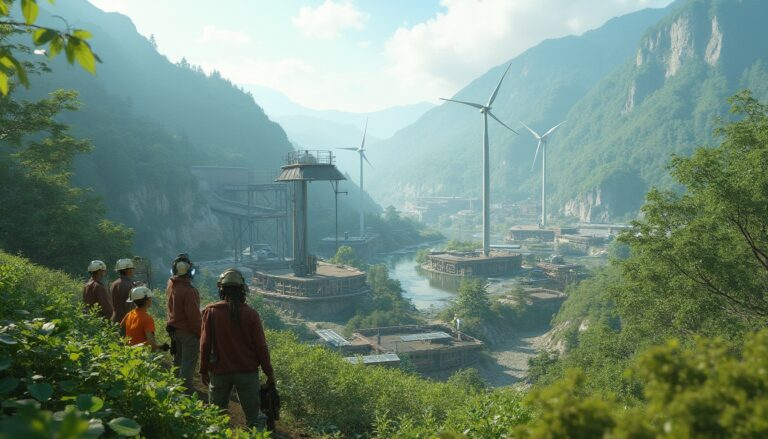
x=543 y=147
x=361 y=151
x=485 y=110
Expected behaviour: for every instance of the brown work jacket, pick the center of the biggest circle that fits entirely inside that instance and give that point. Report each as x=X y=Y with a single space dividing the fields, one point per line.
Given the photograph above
x=94 y=293
x=239 y=346
x=119 y=291
x=183 y=305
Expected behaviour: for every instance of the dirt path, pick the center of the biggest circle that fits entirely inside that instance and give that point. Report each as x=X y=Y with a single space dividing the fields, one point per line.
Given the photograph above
x=508 y=363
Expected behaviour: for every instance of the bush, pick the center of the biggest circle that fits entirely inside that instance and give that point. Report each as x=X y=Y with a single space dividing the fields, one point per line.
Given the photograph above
x=68 y=372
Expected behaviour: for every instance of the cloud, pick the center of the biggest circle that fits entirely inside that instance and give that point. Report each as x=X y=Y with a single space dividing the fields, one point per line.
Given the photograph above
x=214 y=34
x=439 y=56
x=330 y=19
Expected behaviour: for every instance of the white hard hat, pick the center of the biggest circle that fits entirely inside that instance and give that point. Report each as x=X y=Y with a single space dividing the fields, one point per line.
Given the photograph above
x=231 y=276
x=96 y=265
x=124 y=264
x=138 y=293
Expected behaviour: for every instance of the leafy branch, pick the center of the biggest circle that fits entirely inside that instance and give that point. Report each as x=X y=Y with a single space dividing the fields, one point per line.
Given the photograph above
x=72 y=42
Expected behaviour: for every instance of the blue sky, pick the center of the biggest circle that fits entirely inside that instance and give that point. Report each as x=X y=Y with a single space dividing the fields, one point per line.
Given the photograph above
x=360 y=55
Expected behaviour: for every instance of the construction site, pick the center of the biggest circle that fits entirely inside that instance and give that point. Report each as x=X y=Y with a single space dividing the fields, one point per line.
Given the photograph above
x=428 y=347
x=304 y=286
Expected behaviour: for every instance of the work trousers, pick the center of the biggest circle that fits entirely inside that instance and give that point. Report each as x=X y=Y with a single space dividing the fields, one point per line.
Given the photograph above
x=185 y=359
x=247 y=385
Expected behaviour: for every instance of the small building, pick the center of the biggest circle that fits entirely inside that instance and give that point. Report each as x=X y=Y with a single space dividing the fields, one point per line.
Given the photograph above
x=583 y=242
x=525 y=233
x=497 y=263
x=332 y=292
x=428 y=347
x=389 y=359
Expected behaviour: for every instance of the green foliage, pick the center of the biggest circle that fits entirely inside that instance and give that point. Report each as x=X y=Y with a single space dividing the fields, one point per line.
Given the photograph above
x=699 y=258
x=42 y=216
x=345 y=255
x=73 y=42
x=396 y=231
x=65 y=373
x=387 y=306
x=462 y=246
x=421 y=255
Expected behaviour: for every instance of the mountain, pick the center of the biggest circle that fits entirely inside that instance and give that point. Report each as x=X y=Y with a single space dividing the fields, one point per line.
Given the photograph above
x=666 y=99
x=635 y=91
x=150 y=121
x=383 y=123
x=443 y=148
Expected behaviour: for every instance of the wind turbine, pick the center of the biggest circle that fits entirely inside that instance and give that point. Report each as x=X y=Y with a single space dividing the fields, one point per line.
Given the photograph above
x=485 y=110
x=361 y=151
x=543 y=147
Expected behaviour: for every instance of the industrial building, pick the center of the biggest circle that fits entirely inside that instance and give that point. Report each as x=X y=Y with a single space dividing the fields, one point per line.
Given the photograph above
x=497 y=263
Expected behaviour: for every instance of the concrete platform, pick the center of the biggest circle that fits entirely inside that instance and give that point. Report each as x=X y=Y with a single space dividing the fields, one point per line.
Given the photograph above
x=497 y=263
x=332 y=293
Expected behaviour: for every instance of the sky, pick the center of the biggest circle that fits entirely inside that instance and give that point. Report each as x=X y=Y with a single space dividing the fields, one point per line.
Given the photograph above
x=360 y=55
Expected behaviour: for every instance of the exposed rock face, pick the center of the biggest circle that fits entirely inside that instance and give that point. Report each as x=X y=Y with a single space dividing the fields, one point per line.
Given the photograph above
x=589 y=208
x=681 y=45
x=183 y=223
x=715 y=45
x=666 y=50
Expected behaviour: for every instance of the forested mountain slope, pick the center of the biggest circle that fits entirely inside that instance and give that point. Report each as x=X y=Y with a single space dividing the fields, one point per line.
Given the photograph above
x=443 y=148
x=639 y=89
x=149 y=121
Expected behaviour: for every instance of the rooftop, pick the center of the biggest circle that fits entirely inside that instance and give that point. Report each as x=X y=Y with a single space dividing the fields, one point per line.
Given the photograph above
x=324 y=271
x=472 y=256
x=408 y=339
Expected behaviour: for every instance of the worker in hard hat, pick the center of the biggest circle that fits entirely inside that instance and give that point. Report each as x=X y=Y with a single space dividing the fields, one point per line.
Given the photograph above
x=233 y=348
x=184 y=318
x=120 y=289
x=94 y=292
x=137 y=325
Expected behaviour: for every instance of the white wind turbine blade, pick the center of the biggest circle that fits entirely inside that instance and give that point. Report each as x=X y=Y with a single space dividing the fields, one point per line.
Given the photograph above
x=498 y=86
x=499 y=121
x=366 y=159
x=471 y=104
x=365 y=130
x=536 y=156
x=348 y=149
x=535 y=134
x=552 y=129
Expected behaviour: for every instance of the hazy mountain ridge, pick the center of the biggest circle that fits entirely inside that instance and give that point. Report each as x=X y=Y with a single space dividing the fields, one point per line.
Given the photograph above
x=665 y=100
x=542 y=85
x=150 y=120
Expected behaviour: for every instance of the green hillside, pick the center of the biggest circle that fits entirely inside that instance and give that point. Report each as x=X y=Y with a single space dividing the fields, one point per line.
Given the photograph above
x=149 y=120
x=444 y=146
x=634 y=92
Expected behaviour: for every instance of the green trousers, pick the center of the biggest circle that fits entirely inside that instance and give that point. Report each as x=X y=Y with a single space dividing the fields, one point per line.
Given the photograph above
x=187 y=352
x=247 y=385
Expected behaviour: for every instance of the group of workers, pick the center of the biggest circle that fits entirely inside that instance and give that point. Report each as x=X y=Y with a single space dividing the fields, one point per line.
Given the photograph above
x=227 y=337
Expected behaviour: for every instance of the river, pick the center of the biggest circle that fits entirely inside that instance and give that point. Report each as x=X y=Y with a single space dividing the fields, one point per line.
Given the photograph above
x=428 y=292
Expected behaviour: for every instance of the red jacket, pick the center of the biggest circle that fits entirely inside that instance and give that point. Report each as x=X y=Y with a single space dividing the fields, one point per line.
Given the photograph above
x=240 y=346
x=94 y=293
x=183 y=305
x=120 y=290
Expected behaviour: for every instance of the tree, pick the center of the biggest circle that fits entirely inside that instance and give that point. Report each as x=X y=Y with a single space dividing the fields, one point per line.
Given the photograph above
x=73 y=42
x=345 y=255
x=473 y=299
x=700 y=258
x=42 y=216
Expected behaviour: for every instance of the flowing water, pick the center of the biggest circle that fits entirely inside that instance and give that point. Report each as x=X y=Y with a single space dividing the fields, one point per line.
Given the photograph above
x=429 y=292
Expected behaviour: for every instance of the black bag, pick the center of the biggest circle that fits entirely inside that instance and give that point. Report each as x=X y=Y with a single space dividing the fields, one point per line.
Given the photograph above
x=212 y=356
x=171 y=334
x=270 y=404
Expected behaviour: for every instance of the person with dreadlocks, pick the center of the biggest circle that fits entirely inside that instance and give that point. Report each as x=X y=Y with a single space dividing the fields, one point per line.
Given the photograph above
x=233 y=347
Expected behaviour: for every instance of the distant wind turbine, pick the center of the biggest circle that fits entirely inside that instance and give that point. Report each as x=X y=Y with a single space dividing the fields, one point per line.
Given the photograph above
x=361 y=151
x=485 y=110
x=543 y=139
